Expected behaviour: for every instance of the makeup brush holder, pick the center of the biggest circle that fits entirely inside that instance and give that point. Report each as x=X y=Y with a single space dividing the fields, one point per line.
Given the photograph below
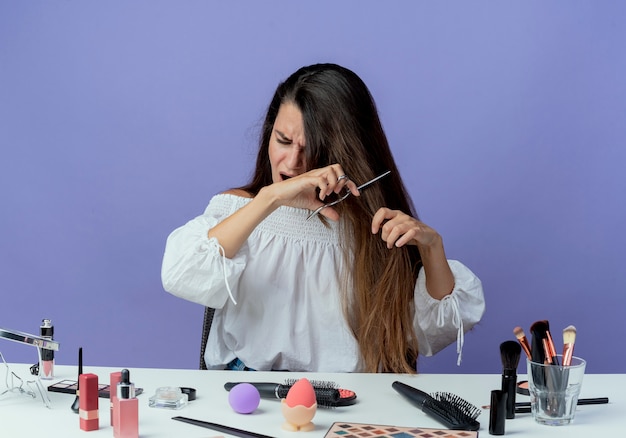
x=554 y=391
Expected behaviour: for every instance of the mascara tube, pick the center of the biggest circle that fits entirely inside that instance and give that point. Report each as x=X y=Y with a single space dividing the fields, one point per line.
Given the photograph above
x=46 y=362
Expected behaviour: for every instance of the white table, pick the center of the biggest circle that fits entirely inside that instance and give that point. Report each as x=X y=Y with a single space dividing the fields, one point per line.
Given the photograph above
x=378 y=403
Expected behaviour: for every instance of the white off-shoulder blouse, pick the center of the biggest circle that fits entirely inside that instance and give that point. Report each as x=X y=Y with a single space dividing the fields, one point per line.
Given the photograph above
x=285 y=281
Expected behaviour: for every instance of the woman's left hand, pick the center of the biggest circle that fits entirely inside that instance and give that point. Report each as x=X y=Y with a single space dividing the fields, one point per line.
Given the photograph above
x=399 y=229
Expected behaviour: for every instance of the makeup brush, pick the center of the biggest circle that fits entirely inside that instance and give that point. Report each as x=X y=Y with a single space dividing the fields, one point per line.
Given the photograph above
x=327 y=394
x=510 y=352
x=554 y=359
x=448 y=409
x=569 y=338
x=523 y=341
x=542 y=347
x=75 y=405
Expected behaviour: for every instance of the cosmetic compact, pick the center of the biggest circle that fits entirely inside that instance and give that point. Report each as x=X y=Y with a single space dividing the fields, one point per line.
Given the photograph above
x=522 y=387
x=168 y=397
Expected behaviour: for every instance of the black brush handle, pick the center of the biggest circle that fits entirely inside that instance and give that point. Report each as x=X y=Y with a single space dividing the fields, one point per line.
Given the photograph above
x=424 y=402
x=266 y=389
x=509 y=387
x=414 y=395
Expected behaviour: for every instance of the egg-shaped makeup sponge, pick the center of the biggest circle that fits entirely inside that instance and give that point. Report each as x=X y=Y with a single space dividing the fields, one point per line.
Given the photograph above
x=244 y=398
x=301 y=394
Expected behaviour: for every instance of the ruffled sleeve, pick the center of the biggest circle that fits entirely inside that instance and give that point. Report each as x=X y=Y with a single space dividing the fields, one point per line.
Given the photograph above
x=194 y=267
x=439 y=323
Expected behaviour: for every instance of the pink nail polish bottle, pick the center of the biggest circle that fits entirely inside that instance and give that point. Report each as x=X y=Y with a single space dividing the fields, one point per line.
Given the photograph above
x=126 y=409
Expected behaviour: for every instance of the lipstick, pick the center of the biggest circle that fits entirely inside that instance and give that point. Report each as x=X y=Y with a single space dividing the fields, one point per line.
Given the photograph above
x=88 y=402
x=46 y=362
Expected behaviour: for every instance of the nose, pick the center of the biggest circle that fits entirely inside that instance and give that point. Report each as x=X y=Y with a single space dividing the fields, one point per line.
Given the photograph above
x=295 y=159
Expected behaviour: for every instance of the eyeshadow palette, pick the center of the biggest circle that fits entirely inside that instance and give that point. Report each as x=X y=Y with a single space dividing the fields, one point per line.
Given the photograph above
x=70 y=386
x=360 y=430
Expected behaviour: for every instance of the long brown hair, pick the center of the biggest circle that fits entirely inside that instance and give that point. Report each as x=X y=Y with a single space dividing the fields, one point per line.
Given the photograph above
x=341 y=125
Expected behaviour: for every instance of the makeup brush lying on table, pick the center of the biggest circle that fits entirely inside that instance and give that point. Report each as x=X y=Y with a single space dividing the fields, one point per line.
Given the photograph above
x=524 y=407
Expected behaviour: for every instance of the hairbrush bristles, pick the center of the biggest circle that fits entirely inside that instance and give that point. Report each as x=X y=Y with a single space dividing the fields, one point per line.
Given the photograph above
x=462 y=408
x=457 y=412
x=326 y=393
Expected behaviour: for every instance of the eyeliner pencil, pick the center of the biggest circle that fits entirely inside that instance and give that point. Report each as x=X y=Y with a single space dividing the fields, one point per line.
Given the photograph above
x=524 y=407
x=222 y=428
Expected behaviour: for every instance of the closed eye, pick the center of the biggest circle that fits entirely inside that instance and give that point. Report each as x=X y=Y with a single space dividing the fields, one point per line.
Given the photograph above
x=282 y=138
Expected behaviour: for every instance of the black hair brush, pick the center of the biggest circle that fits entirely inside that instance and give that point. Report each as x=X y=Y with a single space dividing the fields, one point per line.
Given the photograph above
x=448 y=409
x=327 y=394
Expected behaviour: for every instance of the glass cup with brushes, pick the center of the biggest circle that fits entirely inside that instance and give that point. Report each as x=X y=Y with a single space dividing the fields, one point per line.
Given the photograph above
x=554 y=391
x=554 y=380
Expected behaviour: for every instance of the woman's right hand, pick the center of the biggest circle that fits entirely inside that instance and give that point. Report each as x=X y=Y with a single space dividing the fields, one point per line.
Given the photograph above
x=301 y=190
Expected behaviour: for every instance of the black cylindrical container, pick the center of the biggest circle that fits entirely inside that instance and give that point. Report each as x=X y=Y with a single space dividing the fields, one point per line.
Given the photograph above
x=497 y=412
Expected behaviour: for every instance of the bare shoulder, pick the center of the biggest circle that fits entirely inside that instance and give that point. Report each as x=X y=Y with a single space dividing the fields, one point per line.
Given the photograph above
x=238 y=192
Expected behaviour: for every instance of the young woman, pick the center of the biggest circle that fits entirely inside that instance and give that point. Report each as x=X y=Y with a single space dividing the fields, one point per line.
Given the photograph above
x=362 y=286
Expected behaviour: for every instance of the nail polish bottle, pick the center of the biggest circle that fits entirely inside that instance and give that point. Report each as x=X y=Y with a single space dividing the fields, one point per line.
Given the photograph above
x=88 y=402
x=126 y=409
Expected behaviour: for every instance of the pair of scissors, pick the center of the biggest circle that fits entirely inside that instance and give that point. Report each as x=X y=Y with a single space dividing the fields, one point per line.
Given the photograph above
x=344 y=196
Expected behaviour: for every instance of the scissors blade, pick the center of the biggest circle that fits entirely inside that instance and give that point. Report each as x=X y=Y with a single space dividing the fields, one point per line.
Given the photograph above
x=362 y=186
x=359 y=188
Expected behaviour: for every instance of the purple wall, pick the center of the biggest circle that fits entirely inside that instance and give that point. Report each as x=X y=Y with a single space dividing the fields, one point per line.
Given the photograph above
x=119 y=120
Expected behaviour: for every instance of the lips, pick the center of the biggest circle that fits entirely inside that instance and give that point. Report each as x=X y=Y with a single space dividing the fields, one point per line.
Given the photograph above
x=284 y=177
